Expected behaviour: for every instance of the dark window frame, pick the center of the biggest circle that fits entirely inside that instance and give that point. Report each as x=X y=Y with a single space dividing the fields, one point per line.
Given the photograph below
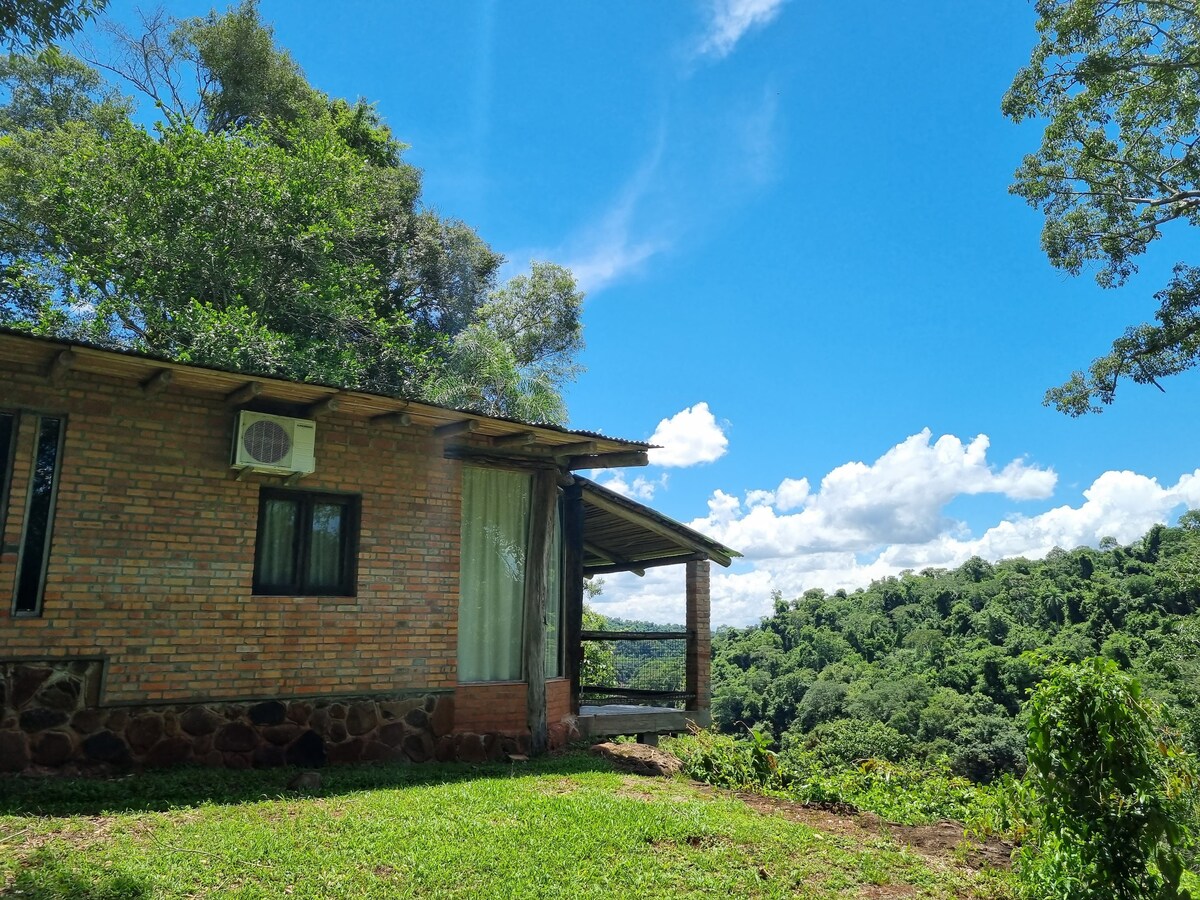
x=348 y=548
x=35 y=611
x=8 y=456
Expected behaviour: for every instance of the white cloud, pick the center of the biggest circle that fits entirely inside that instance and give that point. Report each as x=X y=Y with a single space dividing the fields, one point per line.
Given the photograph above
x=641 y=488
x=897 y=499
x=868 y=521
x=730 y=20
x=690 y=437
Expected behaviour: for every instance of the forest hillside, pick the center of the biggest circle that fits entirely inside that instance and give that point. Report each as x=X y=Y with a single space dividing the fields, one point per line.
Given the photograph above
x=934 y=666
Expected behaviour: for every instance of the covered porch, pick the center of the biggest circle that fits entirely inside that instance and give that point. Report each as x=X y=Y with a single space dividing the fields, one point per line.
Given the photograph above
x=605 y=532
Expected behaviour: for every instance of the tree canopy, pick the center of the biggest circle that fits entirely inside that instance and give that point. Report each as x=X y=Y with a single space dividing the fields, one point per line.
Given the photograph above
x=1118 y=84
x=26 y=24
x=261 y=225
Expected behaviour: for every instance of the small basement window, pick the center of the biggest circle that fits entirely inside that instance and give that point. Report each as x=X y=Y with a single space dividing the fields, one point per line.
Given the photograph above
x=307 y=543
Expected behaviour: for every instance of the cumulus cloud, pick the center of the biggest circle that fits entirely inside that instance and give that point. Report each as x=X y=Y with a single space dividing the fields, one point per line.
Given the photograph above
x=730 y=20
x=690 y=437
x=868 y=521
x=640 y=488
x=899 y=498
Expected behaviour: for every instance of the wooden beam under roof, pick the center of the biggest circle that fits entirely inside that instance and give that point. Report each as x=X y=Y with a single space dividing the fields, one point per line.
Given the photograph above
x=157 y=383
x=452 y=429
x=617 y=560
x=519 y=439
x=643 y=564
x=244 y=394
x=578 y=448
x=59 y=367
x=323 y=407
x=609 y=460
x=392 y=418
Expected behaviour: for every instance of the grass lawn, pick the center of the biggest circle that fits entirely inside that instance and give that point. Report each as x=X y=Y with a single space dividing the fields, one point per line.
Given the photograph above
x=561 y=827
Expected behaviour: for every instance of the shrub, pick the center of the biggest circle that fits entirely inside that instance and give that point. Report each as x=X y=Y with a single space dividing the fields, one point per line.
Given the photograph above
x=1109 y=789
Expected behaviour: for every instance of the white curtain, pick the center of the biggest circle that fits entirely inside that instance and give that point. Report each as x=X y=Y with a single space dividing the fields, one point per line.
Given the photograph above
x=495 y=535
x=554 y=600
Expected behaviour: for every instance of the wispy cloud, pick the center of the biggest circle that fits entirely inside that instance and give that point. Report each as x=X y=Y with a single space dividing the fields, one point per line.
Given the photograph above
x=730 y=20
x=619 y=242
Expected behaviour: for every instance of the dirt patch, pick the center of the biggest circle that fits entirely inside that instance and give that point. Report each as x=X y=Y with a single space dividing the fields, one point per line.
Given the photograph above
x=941 y=840
x=556 y=786
x=640 y=759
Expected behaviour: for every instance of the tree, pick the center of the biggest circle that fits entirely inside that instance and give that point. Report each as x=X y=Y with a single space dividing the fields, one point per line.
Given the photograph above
x=264 y=227
x=1118 y=82
x=28 y=24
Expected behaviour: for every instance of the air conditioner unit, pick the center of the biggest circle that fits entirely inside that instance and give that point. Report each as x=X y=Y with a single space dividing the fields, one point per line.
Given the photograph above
x=276 y=444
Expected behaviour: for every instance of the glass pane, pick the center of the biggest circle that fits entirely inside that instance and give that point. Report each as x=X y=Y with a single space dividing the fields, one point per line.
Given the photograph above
x=35 y=543
x=325 y=548
x=277 y=543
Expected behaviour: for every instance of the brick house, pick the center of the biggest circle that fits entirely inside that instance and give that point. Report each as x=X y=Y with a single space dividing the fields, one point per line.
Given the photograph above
x=362 y=577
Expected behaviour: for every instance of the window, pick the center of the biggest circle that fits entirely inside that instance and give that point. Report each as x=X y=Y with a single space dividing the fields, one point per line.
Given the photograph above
x=307 y=544
x=39 y=517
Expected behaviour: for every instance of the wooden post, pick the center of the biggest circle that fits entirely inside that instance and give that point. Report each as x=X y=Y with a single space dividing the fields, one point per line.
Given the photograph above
x=573 y=586
x=699 y=650
x=541 y=520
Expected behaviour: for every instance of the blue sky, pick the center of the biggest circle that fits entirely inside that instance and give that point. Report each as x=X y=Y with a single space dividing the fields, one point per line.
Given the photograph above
x=805 y=274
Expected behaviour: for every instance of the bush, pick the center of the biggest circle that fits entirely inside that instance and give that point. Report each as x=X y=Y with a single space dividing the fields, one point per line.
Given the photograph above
x=1110 y=790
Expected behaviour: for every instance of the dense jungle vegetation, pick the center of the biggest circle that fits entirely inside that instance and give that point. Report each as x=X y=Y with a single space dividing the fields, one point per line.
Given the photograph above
x=934 y=667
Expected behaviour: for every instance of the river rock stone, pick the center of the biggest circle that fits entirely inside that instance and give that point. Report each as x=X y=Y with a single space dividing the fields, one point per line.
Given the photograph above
x=171 y=751
x=270 y=713
x=417 y=718
x=62 y=693
x=418 y=747
x=26 y=681
x=14 y=751
x=442 y=720
x=281 y=735
x=105 y=746
x=53 y=748
x=307 y=752
x=143 y=732
x=87 y=721
x=392 y=734
x=38 y=719
x=299 y=712
x=198 y=720
x=268 y=757
x=362 y=717
x=349 y=751
x=236 y=737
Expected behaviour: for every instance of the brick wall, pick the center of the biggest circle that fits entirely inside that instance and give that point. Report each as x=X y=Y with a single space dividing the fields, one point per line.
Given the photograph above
x=497 y=706
x=152 y=557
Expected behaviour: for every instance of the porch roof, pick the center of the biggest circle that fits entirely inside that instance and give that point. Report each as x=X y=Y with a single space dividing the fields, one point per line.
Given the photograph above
x=622 y=535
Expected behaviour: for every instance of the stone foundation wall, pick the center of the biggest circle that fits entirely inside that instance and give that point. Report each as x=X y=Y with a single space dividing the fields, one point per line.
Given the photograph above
x=49 y=722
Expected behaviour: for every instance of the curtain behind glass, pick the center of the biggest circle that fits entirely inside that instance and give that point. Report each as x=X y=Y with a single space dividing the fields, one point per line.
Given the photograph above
x=554 y=600
x=495 y=534
x=325 y=546
x=277 y=542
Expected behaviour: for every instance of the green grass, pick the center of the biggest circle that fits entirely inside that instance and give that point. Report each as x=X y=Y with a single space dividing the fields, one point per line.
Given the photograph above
x=561 y=827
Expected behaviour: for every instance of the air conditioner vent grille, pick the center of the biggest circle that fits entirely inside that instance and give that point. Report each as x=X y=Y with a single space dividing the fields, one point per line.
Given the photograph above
x=266 y=441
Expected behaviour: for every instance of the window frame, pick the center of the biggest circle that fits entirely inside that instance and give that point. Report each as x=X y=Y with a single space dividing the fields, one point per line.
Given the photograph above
x=302 y=544
x=52 y=507
x=8 y=458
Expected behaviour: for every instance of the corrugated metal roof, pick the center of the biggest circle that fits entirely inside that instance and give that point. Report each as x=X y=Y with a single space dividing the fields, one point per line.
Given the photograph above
x=388 y=402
